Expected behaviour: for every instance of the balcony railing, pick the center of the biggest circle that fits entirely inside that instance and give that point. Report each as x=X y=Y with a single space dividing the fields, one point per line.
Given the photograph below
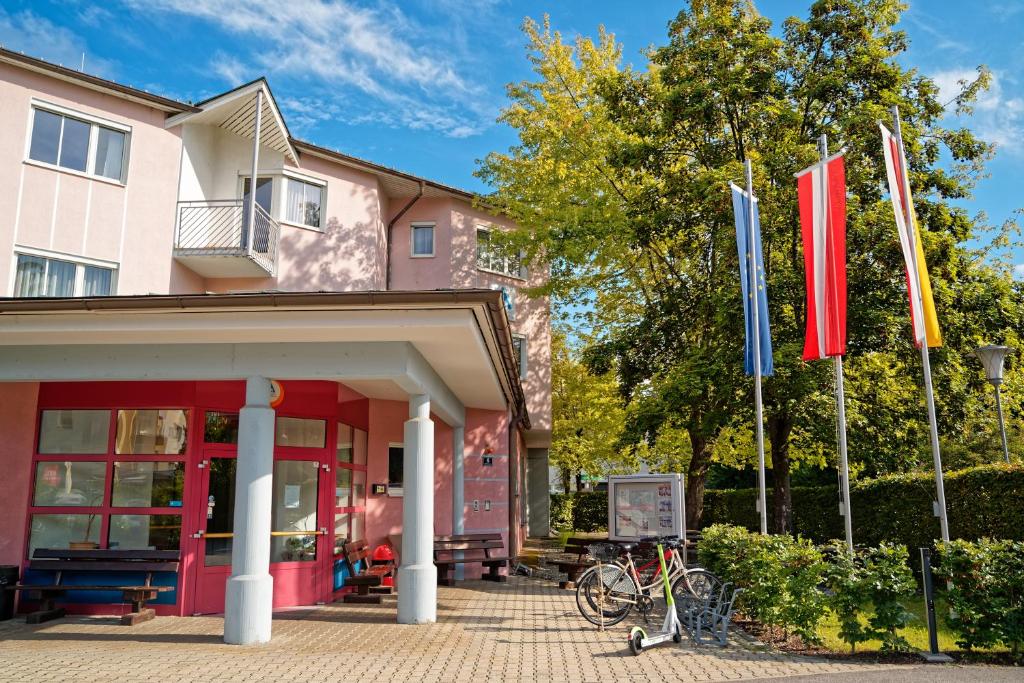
x=219 y=230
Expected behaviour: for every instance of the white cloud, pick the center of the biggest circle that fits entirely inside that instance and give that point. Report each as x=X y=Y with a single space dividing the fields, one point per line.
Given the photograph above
x=998 y=114
x=1018 y=271
x=402 y=73
x=39 y=37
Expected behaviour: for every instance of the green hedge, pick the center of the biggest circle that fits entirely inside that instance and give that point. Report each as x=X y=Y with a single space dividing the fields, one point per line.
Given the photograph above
x=982 y=501
x=583 y=511
x=987 y=595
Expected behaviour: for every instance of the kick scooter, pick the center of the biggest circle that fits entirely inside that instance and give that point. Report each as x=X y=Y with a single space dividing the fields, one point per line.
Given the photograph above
x=671 y=629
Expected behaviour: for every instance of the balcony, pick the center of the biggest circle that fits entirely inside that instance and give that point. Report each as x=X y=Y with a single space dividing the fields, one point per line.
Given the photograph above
x=213 y=239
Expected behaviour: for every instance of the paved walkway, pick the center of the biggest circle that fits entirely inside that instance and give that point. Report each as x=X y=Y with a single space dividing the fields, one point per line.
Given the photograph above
x=525 y=630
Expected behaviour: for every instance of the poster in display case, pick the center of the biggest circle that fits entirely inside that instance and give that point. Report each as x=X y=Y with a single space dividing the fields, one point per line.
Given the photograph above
x=645 y=505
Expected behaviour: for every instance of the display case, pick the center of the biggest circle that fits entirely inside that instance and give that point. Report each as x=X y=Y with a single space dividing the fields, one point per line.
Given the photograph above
x=642 y=505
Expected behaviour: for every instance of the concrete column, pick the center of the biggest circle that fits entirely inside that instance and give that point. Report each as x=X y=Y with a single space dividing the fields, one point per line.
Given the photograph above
x=459 y=488
x=250 y=590
x=417 y=575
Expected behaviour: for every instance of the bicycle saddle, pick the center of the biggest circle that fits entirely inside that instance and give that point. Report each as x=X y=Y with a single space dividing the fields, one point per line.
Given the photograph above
x=627 y=547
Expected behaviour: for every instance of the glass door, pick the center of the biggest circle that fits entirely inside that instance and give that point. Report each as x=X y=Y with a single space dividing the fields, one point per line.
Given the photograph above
x=215 y=534
x=264 y=198
x=295 y=533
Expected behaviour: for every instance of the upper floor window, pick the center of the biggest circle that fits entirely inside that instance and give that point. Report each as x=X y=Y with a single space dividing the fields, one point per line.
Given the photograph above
x=508 y=298
x=496 y=257
x=422 y=239
x=78 y=144
x=305 y=201
x=42 y=276
x=519 y=346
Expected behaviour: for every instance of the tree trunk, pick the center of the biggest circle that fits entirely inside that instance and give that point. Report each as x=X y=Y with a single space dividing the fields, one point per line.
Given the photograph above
x=696 y=476
x=566 y=480
x=579 y=480
x=779 y=429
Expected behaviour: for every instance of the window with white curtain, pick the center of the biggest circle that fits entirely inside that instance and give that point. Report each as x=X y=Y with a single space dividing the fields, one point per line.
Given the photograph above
x=422 y=239
x=38 y=276
x=78 y=144
x=304 y=203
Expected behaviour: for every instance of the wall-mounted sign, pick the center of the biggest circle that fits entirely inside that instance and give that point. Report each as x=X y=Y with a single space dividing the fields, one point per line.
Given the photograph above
x=378 y=489
x=276 y=393
x=488 y=461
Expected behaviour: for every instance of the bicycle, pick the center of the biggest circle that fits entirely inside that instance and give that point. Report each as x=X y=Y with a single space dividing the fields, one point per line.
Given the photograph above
x=606 y=598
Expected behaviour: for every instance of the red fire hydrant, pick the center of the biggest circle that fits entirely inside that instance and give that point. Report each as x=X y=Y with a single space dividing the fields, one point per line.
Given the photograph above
x=383 y=554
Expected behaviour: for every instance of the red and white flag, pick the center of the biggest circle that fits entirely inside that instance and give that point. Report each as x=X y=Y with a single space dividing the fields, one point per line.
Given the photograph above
x=822 y=196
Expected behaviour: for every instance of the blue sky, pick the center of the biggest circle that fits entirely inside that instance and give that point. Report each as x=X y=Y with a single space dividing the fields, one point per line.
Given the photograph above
x=417 y=84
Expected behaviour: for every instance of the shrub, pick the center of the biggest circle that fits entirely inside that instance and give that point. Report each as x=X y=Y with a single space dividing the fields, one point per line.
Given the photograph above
x=779 y=575
x=982 y=501
x=987 y=594
x=581 y=511
x=879 y=577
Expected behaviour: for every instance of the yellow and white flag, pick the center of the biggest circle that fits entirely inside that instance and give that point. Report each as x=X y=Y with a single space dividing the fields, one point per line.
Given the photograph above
x=919 y=288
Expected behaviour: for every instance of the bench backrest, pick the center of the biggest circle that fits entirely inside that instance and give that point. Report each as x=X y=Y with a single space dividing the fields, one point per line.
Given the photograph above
x=472 y=548
x=356 y=551
x=60 y=560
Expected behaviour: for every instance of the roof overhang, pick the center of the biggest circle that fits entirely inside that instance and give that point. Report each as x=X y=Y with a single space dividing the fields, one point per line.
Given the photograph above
x=453 y=344
x=235 y=111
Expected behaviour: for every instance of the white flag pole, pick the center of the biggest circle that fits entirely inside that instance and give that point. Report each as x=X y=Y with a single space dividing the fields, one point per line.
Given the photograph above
x=940 y=490
x=837 y=361
x=758 y=410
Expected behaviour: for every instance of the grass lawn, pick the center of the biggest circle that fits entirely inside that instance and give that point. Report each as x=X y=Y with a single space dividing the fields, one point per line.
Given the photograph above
x=916 y=633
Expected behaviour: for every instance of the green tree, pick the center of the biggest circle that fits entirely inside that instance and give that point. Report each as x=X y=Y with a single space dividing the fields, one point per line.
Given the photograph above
x=587 y=414
x=620 y=183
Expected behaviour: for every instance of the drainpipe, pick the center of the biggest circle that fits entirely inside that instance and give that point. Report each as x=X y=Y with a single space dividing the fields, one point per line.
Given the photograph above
x=387 y=246
x=514 y=491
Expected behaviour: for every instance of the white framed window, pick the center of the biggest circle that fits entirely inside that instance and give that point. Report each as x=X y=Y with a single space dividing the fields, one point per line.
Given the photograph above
x=77 y=142
x=497 y=258
x=304 y=203
x=422 y=236
x=396 y=469
x=519 y=346
x=42 y=274
x=508 y=297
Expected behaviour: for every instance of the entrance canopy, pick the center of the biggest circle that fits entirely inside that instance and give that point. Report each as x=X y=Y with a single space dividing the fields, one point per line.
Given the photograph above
x=453 y=345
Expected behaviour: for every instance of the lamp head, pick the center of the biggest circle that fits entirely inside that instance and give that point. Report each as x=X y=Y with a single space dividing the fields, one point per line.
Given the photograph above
x=991 y=357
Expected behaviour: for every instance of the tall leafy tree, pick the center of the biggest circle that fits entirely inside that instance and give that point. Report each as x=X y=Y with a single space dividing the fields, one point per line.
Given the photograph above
x=620 y=182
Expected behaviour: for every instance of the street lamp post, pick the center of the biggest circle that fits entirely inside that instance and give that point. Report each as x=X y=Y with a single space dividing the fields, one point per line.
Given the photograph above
x=991 y=356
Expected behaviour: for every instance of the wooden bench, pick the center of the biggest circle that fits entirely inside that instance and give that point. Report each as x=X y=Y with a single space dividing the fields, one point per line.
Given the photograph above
x=574 y=567
x=61 y=561
x=368 y=581
x=487 y=550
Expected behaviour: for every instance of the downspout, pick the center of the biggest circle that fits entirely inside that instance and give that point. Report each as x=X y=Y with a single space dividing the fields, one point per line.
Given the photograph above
x=387 y=246
x=515 y=492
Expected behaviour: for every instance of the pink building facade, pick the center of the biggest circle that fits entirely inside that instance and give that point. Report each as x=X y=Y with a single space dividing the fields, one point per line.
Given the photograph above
x=159 y=313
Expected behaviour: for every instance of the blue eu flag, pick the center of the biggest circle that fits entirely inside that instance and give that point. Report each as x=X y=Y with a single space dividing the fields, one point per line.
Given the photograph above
x=741 y=211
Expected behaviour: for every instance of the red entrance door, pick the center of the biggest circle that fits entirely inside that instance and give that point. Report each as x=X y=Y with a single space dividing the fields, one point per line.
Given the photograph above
x=299 y=556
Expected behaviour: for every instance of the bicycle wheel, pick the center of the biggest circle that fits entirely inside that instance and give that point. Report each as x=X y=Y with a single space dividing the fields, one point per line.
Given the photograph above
x=606 y=597
x=695 y=583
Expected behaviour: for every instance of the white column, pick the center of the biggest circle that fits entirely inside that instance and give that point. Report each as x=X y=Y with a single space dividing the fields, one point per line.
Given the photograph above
x=458 y=488
x=250 y=590
x=417 y=575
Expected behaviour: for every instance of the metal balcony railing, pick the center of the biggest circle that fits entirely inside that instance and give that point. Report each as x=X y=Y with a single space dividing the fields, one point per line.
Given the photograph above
x=220 y=227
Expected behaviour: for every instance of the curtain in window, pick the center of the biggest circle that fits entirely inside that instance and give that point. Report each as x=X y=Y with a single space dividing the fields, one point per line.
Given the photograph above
x=109 y=153
x=30 y=279
x=60 y=278
x=422 y=240
x=96 y=281
x=295 y=202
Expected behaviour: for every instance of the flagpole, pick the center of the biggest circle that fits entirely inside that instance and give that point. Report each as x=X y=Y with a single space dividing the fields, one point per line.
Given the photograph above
x=908 y=211
x=756 y=334
x=837 y=361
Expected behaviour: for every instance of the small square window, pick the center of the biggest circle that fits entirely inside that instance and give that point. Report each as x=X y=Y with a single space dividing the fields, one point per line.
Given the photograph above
x=423 y=240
